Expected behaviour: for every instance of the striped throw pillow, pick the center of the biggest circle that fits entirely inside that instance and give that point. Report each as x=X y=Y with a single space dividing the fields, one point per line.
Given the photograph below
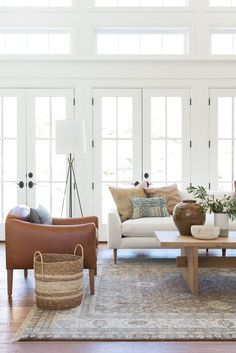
x=153 y=207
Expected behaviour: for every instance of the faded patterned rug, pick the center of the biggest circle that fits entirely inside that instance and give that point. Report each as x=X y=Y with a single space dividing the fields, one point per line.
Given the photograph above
x=143 y=300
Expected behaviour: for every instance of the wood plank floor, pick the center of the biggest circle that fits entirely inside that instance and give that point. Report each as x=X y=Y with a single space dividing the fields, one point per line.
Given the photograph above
x=13 y=313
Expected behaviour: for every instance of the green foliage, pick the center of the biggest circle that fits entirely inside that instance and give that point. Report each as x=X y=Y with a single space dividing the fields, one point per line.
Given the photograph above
x=227 y=204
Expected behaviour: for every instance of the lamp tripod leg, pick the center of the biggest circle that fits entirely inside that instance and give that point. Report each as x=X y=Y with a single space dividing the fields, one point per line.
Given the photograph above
x=77 y=191
x=64 y=196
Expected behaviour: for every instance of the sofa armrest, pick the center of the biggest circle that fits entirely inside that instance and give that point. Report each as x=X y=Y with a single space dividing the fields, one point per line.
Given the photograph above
x=114 y=229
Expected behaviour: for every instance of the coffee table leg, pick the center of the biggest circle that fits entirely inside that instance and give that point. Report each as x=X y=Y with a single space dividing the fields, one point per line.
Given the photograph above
x=190 y=272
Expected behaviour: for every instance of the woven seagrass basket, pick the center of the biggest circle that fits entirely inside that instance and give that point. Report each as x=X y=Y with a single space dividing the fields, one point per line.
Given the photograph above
x=58 y=280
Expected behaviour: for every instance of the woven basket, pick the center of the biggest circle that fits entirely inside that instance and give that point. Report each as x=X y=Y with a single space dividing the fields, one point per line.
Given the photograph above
x=58 y=280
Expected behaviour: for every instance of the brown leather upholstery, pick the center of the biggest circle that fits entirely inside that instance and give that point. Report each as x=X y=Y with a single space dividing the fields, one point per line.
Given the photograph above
x=24 y=238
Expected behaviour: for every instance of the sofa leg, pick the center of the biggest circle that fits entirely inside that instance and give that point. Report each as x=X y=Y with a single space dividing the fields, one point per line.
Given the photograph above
x=224 y=252
x=115 y=255
x=25 y=273
x=91 y=280
x=9 y=282
x=207 y=251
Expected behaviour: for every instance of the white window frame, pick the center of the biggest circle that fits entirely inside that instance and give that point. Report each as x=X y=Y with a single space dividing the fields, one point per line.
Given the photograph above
x=46 y=29
x=142 y=30
x=38 y=9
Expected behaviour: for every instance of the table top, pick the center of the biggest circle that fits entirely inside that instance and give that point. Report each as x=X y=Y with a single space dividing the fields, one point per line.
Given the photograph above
x=173 y=240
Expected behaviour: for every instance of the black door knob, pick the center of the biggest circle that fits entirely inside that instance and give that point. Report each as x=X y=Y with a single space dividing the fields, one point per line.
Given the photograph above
x=21 y=184
x=146 y=175
x=30 y=184
x=30 y=175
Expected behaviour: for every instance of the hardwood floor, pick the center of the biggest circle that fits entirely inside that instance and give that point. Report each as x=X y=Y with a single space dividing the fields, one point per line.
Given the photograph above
x=12 y=313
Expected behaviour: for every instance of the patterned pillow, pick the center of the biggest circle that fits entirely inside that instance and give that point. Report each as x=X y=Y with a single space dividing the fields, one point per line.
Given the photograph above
x=171 y=192
x=122 y=197
x=153 y=207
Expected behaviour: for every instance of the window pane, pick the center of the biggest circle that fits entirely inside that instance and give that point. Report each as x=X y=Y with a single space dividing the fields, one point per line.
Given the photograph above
x=107 y=44
x=174 y=117
x=109 y=112
x=174 y=160
x=225 y=111
x=224 y=160
x=57 y=199
x=107 y=200
x=158 y=160
x=9 y=116
x=38 y=43
x=43 y=160
x=9 y=197
x=42 y=117
x=173 y=44
x=125 y=117
x=10 y=160
x=109 y=157
x=222 y=44
x=59 y=164
x=36 y=3
x=128 y=2
x=125 y=160
x=138 y=3
x=59 y=43
x=106 y=2
x=15 y=3
x=15 y=43
x=58 y=111
x=43 y=195
x=220 y=2
x=129 y=44
x=158 y=117
x=151 y=44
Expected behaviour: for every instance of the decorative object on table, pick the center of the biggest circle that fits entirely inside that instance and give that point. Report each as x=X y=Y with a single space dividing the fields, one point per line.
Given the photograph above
x=223 y=208
x=205 y=232
x=186 y=214
x=58 y=280
x=70 y=139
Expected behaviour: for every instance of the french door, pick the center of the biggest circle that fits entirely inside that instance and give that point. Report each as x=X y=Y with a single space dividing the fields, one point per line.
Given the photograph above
x=138 y=132
x=31 y=172
x=223 y=139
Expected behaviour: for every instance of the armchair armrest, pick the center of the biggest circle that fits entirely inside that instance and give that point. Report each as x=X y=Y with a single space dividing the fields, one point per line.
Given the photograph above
x=24 y=238
x=81 y=220
x=114 y=229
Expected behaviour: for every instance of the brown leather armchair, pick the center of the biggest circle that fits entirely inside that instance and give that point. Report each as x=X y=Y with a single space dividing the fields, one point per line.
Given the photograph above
x=24 y=238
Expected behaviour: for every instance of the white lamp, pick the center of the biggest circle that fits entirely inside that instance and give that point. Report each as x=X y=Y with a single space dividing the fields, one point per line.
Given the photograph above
x=70 y=139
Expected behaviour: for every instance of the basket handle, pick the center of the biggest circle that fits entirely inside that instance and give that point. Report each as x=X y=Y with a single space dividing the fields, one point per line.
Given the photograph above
x=82 y=250
x=38 y=253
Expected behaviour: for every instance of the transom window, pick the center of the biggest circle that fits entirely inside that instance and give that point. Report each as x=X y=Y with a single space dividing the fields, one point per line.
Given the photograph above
x=142 y=41
x=223 y=42
x=36 y=41
x=222 y=3
x=141 y=3
x=36 y=3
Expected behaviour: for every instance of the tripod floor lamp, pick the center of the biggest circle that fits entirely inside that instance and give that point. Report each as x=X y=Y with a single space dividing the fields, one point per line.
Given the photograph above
x=70 y=140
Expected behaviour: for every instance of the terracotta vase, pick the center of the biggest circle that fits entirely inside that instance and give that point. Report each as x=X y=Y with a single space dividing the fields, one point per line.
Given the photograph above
x=186 y=214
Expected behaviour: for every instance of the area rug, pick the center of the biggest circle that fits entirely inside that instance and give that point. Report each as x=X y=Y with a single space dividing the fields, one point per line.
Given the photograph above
x=143 y=300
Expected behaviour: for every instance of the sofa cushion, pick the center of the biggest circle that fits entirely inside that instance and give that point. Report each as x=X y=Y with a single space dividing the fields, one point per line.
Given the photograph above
x=153 y=207
x=145 y=227
x=122 y=196
x=171 y=192
x=40 y=215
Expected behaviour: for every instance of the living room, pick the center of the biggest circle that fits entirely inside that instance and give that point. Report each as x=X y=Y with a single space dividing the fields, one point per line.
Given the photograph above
x=103 y=101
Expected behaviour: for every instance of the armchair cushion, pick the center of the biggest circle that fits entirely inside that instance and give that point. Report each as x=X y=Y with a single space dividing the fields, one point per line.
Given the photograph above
x=40 y=216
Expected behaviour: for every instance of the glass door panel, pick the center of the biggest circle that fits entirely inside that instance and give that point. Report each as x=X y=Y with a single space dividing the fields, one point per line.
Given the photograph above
x=166 y=136
x=117 y=135
x=48 y=168
x=223 y=139
x=12 y=152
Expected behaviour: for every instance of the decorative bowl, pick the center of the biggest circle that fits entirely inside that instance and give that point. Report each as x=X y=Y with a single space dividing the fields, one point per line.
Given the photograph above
x=205 y=232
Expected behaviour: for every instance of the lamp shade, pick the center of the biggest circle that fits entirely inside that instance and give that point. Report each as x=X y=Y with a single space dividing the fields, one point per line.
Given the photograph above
x=70 y=136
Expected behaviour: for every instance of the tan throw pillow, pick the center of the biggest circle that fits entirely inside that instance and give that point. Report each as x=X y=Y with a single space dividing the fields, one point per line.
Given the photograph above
x=122 y=197
x=171 y=192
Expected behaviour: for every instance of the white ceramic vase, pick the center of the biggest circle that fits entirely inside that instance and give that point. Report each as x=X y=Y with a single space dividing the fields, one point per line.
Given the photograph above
x=222 y=220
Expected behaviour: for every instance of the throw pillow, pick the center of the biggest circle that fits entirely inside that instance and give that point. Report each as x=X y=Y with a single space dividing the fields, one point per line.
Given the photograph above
x=171 y=192
x=122 y=196
x=153 y=207
x=40 y=215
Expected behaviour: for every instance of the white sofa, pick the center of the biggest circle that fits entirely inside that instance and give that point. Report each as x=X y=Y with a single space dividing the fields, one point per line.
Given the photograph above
x=139 y=233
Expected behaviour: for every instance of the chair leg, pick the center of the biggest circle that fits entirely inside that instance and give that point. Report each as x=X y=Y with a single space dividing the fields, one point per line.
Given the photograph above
x=115 y=255
x=224 y=252
x=91 y=280
x=95 y=271
x=9 y=282
x=26 y=273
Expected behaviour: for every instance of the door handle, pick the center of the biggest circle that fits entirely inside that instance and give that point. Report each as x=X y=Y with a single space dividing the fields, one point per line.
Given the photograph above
x=31 y=184
x=30 y=175
x=21 y=184
x=136 y=183
x=146 y=175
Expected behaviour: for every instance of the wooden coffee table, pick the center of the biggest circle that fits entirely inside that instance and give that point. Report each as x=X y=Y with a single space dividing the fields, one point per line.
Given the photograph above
x=189 y=262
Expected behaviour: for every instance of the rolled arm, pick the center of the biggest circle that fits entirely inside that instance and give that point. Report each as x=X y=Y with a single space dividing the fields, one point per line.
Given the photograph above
x=24 y=238
x=114 y=229
x=81 y=220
